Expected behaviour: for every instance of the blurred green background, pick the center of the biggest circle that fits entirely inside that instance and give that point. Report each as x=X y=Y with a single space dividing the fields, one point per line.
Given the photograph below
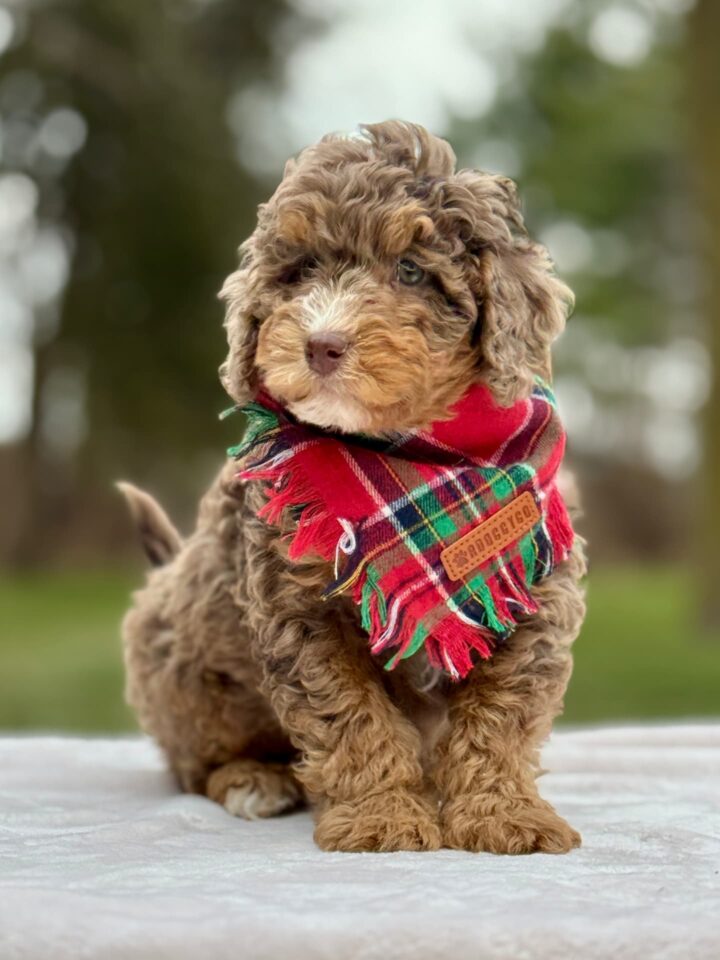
x=136 y=140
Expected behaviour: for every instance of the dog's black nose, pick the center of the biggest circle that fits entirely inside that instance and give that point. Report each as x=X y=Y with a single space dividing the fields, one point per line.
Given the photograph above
x=324 y=351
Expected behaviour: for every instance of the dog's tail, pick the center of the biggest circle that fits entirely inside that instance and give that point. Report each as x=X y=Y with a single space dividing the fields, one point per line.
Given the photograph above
x=159 y=538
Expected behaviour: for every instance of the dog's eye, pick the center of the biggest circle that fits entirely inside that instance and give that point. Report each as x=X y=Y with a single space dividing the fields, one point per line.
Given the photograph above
x=409 y=272
x=300 y=270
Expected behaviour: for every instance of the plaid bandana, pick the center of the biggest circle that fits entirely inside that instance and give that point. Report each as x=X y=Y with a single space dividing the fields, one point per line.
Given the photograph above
x=438 y=534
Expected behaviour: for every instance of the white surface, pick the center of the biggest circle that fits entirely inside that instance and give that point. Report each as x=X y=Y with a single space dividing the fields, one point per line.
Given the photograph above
x=100 y=857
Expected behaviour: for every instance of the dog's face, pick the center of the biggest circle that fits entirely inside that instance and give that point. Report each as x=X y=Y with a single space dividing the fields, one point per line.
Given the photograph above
x=380 y=284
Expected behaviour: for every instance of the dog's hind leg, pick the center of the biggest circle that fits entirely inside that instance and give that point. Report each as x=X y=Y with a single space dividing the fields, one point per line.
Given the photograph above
x=253 y=790
x=190 y=676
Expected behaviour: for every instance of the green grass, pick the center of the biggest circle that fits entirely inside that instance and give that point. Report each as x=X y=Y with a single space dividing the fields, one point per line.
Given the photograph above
x=60 y=654
x=641 y=654
x=637 y=658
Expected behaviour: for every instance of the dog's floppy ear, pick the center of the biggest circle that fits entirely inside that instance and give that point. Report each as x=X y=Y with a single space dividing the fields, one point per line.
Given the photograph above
x=522 y=305
x=238 y=373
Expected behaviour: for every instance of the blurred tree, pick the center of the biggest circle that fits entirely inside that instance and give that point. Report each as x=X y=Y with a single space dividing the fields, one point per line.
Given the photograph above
x=152 y=207
x=598 y=146
x=704 y=100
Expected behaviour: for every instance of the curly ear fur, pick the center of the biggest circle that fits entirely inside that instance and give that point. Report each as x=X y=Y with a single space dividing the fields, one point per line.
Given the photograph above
x=524 y=308
x=523 y=305
x=238 y=374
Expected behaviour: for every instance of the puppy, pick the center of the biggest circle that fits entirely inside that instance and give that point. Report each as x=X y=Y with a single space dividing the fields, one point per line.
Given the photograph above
x=378 y=287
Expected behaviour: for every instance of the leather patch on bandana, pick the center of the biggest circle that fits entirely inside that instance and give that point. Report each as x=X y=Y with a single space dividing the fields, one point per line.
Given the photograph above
x=493 y=536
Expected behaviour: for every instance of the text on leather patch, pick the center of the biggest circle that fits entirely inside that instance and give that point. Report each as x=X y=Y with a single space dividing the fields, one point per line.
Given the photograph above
x=493 y=535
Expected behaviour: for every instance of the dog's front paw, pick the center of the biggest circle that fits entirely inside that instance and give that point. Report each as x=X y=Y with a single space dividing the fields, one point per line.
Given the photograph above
x=497 y=825
x=392 y=820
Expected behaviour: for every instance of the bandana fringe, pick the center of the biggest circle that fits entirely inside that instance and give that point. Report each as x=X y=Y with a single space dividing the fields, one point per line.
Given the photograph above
x=316 y=531
x=558 y=522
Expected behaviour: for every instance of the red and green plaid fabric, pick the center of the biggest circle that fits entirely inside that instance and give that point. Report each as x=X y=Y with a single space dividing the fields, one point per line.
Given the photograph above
x=384 y=510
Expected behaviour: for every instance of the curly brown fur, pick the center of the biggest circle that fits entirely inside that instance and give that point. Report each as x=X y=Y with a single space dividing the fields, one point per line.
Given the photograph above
x=233 y=660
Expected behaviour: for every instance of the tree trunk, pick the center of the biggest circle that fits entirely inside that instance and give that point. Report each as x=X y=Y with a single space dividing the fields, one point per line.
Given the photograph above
x=37 y=489
x=704 y=102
